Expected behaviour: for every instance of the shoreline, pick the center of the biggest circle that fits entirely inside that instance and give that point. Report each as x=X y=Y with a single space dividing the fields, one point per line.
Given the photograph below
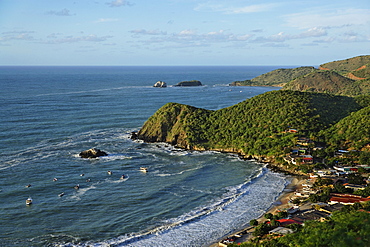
x=281 y=202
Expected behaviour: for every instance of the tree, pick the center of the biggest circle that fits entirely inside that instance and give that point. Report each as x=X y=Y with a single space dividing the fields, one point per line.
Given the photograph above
x=282 y=214
x=269 y=216
x=253 y=222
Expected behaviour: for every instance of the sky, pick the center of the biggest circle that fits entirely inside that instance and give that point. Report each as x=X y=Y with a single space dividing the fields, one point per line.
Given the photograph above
x=182 y=32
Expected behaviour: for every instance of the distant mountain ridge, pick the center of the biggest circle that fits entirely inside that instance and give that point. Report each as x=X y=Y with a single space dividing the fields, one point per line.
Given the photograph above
x=346 y=65
x=278 y=77
x=348 y=77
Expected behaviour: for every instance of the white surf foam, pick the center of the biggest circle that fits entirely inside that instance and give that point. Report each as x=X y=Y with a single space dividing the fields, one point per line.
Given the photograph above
x=205 y=225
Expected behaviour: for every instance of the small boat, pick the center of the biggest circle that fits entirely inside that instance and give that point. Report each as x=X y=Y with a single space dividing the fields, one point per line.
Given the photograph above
x=123 y=176
x=28 y=185
x=77 y=187
x=109 y=173
x=143 y=169
x=29 y=201
x=61 y=194
x=55 y=179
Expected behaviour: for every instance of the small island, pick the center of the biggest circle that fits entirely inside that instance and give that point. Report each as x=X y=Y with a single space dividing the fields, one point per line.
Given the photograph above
x=192 y=83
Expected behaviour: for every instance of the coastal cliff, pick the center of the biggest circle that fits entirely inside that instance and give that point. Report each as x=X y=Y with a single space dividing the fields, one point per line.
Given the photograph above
x=171 y=124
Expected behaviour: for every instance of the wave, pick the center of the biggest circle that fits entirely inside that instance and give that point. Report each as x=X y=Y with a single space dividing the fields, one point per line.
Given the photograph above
x=80 y=192
x=70 y=145
x=91 y=91
x=177 y=173
x=208 y=223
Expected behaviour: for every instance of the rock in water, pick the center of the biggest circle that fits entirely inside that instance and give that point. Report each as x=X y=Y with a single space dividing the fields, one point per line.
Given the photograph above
x=92 y=153
x=133 y=135
x=160 y=84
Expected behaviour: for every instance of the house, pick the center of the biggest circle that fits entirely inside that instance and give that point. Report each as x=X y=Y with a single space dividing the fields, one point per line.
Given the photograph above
x=311 y=215
x=331 y=208
x=286 y=222
x=354 y=186
x=346 y=199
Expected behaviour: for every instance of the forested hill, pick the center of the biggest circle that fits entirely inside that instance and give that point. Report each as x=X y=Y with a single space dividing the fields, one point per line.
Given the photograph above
x=352 y=132
x=258 y=126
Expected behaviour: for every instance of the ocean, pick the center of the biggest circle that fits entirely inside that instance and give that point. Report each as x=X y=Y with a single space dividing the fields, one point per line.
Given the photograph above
x=49 y=115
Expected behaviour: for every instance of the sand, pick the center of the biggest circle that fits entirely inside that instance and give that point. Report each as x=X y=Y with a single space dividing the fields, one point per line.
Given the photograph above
x=282 y=203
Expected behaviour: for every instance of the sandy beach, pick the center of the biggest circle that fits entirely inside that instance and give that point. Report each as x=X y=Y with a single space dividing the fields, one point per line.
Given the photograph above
x=282 y=203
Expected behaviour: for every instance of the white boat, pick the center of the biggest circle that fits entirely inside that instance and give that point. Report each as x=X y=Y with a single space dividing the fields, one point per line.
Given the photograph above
x=143 y=169
x=29 y=201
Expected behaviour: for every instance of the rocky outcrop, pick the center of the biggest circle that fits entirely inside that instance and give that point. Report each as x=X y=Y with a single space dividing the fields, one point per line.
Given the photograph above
x=92 y=153
x=189 y=83
x=160 y=84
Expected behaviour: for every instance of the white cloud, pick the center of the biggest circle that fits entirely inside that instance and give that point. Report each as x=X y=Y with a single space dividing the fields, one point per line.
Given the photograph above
x=250 y=9
x=352 y=36
x=148 y=32
x=282 y=37
x=16 y=35
x=312 y=32
x=328 y=18
x=187 y=32
x=118 y=3
x=106 y=20
x=72 y=39
x=63 y=12
x=235 y=10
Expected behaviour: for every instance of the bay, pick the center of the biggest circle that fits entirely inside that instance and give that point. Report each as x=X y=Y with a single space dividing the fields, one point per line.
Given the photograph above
x=50 y=114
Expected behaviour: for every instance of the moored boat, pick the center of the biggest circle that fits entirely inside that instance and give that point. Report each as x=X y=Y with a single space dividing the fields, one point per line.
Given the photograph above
x=29 y=201
x=143 y=169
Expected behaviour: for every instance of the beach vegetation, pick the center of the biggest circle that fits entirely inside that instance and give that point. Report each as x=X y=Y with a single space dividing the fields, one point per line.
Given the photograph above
x=364 y=193
x=253 y=222
x=269 y=216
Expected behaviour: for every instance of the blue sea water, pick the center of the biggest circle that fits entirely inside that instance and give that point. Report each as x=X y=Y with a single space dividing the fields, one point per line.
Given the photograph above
x=49 y=115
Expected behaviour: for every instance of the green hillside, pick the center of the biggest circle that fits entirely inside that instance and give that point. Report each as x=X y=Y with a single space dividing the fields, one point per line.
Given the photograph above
x=276 y=77
x=352 y=132
x=257 y=126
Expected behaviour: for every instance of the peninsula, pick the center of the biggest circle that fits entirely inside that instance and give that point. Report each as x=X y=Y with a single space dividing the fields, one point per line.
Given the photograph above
x=317 y=126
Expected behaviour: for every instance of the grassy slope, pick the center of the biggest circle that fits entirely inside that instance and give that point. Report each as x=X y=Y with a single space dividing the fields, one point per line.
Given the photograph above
x=347 y=65
x=325 y=82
